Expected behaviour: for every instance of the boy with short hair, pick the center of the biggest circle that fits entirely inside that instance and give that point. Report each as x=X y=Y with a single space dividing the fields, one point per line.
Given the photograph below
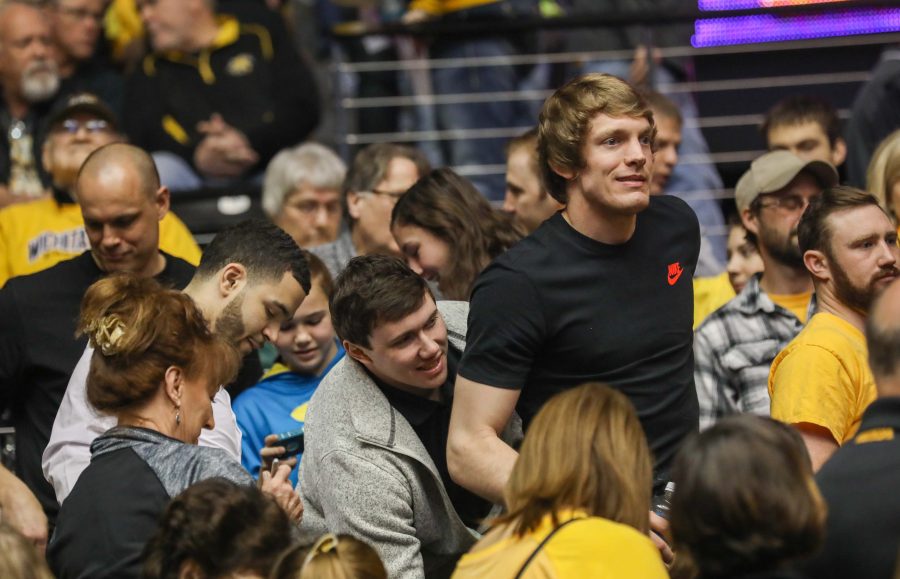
x=307 y=350
x=806 y=126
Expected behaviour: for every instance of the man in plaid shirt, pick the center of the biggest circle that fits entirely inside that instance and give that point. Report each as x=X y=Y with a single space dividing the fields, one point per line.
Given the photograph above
x=735 y=346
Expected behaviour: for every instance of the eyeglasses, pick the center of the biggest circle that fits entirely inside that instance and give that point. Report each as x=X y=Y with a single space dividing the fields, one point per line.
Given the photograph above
x=81 y=14
x=786 y=202
x=327 y=542
x=93 y=126
x=394 y=195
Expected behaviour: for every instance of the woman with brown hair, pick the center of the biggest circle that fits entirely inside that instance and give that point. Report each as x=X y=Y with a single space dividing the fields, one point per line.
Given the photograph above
x=578 y=496
x=448 y=232
x=745 y=501
x=217 y=529
x=156 y=367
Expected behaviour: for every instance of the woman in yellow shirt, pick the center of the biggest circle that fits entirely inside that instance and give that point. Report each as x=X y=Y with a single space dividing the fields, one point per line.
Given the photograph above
x=578 y=497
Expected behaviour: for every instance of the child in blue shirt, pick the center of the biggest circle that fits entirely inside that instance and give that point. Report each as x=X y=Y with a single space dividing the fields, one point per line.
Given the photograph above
x=307 y=350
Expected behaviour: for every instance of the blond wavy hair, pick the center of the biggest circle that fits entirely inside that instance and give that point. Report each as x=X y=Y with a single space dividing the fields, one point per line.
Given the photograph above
x=566 y=119
x=585 y=450
x=884 y=172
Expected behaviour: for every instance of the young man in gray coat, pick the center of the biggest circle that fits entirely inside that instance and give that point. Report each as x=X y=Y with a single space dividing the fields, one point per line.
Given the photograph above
x=374 y=463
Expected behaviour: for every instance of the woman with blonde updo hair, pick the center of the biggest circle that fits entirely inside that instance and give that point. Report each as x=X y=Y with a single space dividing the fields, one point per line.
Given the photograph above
x=578 y=496
x=156 y=367
x=883 y=175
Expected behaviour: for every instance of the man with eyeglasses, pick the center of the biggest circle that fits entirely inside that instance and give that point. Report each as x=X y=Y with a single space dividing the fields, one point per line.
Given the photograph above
x=734 y=346
x=76 y=27
x=37 y=235
x=378 y=176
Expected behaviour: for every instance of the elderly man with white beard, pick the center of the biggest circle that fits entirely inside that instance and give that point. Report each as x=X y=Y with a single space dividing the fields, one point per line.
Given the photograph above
x=30 y=80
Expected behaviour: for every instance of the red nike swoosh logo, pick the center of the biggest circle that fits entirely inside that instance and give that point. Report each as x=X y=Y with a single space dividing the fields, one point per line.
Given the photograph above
x=675 y=271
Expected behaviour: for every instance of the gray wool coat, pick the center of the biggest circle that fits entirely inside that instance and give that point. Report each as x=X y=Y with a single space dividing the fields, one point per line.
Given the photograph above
x=366 y=473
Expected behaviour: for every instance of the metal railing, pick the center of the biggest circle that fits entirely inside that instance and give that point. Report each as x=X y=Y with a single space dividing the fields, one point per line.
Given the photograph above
x=348 y=105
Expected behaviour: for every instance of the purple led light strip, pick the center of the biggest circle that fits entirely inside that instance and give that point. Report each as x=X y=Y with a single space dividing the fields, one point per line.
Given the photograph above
x=751 y=4
x=767 y=28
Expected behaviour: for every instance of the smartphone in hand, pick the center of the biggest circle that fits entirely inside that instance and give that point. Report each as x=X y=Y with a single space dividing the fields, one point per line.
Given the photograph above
x=292 y=441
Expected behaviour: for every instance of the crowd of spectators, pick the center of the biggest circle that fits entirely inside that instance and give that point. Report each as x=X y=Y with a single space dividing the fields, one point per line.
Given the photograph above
x=402 y=373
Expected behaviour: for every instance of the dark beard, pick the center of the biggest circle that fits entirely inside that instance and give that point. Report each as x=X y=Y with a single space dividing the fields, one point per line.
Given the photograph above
x=230 y=324
x=853 y=296
x=787 y=253
x=858 y=298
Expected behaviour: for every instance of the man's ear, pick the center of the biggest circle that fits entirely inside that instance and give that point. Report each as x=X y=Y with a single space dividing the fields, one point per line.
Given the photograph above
x=162 y=201
x=354 y=205
x=817 y=264
x=565 y=173
x=357 y=353
x=838 y=152
x=174 y=378
x=750 y=221
x=232 y=279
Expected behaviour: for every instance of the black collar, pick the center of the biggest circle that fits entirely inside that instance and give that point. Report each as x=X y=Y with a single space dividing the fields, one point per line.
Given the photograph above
x=882 y=413
x=62 y=197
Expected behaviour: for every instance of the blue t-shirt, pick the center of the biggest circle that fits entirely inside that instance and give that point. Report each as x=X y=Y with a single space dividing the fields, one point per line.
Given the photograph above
x=275 y=405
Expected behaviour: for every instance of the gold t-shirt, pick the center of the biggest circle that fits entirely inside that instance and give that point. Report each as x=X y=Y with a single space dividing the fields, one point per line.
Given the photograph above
x=797 y=304
x=589 y=547
x=822 y=377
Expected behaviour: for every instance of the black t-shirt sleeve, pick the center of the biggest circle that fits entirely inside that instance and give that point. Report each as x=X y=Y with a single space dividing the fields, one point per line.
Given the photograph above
x=506 y=328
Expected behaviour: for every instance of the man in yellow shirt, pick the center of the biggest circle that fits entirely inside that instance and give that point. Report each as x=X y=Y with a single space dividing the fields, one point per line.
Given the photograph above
x=821 y=382
x=39 y=234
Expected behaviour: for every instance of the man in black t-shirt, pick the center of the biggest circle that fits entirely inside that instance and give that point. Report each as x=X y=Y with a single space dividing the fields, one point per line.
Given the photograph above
x=600 y=292
x=122 y=208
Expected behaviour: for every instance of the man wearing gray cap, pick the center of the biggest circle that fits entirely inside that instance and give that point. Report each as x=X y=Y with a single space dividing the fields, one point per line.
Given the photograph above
x=734 y=346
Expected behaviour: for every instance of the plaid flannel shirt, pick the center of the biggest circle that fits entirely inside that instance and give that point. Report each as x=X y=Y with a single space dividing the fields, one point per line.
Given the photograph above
x=733 y=350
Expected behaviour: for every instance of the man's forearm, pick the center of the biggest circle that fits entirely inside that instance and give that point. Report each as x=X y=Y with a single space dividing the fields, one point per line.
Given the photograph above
x=481 y=463
x=21 y=509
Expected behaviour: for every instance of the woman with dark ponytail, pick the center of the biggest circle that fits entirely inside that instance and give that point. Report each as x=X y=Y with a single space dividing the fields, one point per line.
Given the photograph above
x=217 y=529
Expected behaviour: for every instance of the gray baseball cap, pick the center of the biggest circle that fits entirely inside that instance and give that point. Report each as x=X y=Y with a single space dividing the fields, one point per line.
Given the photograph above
x=774 y=171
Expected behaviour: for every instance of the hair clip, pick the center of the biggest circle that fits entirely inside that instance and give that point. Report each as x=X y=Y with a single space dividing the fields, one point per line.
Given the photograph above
x=106 y=333
x=325 y=543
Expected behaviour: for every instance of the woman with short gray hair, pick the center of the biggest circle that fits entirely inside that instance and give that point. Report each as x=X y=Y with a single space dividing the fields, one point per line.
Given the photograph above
x=302 y=193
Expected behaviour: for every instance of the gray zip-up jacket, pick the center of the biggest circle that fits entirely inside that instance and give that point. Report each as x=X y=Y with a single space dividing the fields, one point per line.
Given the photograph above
x=365 y=472
x=114 y=507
